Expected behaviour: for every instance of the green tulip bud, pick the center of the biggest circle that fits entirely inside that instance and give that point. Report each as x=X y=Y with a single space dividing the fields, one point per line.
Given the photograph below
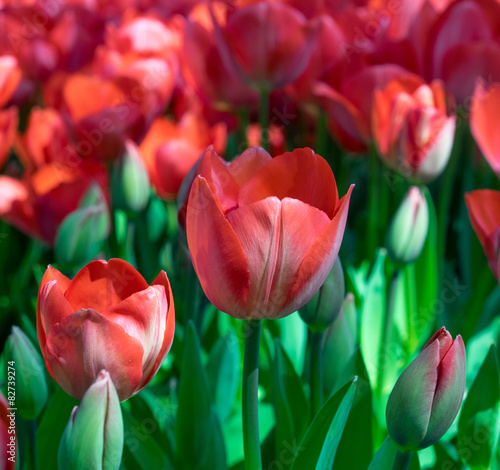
x=428 y=394
x=93 y=437
x=80 y=233
x=130 y=181
x=26 y=363
x=322 y=310
x=408 y=230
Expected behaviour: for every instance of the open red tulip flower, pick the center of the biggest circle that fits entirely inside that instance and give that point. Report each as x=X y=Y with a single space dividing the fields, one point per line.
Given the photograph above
x=107 y=317
x=411 y=128
x=483 y=206
x=484 y=122
x=264 y=232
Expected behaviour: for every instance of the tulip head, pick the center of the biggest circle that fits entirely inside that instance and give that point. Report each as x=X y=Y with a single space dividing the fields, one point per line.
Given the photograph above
x=107 y=317
x=31 y=392
x=264 y=232
x=93 y=437
x=428 y=394
x=322 y=310
x=408 y=230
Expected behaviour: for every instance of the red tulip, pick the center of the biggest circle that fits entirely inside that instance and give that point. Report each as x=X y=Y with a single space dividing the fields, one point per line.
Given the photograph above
x=264 y=233
x=170 y=149
x=107 y=317
x=483 y=206
x=484 y=122
x=268 y=43
x=411 y=127
x=428 y=394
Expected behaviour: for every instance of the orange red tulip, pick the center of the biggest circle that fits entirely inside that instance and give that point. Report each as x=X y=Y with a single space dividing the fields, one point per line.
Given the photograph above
x=253 y=253
x=106 y=317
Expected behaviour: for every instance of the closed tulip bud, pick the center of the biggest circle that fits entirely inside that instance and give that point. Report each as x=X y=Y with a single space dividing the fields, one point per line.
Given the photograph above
x=408 y=230
x=93 y=437
x=322 y=310
x=428 y=394
x=106 y=317
x=31 y=386
x=80 y=233
x=130 y=182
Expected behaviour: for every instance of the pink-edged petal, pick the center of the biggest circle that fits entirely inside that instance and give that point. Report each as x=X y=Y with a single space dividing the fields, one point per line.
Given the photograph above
x=100 y=284
x=449 y=392
x=168 y=336
x=248 y=164
x=143 y=316
x=216 y=252
x=301 y=175
x=445 y=341
x=219 y=179
x=83 y=344
x=52 y=307
x=319 y=260
x=275 y=236
x=410 y=403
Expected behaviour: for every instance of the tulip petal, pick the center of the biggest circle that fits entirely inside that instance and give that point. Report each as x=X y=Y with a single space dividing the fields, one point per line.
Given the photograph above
x=219 y=179
x=248 y=164
x=410 y=403
x=87 y=342
x=217 y=254
x=484 y=122
x=275 y=236
x=301 y=175
x=449 y=392
x=483 y=206
x=116 y=278
x=52 y=307
x=319 y=260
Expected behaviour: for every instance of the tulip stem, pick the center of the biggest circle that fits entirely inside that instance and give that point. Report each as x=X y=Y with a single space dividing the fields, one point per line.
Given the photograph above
x=264 y=117
x=402 y=460
x=316 y=371
x=373 y=203
x=251 y=442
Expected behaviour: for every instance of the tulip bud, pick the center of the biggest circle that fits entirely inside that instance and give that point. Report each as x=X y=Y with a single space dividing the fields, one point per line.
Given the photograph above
x=93 y=437
x=428 y=394
x=322 y=310
x=130 y=182
x=79 y=234
x=31 y=386
x=409 y=226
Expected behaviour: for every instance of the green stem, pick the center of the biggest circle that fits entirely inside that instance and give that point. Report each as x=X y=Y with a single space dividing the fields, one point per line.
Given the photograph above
x=373 y=204
x=322 y=136
x=402 y=460
x=130 y=242
x=386 y=333
x=251 y=442
x=316 y=371
x=264 y=116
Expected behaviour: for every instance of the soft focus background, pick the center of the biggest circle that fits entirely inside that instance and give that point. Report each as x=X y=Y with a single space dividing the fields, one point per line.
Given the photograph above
x=106 y=106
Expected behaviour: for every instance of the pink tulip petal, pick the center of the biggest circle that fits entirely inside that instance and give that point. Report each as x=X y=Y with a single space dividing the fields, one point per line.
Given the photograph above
x=275 y=236
x=301 y=175
x=248 y=164
x=216 y=251
x=85 y=342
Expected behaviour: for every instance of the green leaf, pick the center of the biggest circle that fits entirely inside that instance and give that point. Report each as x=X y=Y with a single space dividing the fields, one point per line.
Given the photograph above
x=293 y=336
x=51 y=429
x=318 y=448
x=223 y=370
x=141 y=451
x=199 y=437
x=385 y=456
x=444 y=461
x=479 y=423
x=291 y=407
x=426 y=279
x=373 y=313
